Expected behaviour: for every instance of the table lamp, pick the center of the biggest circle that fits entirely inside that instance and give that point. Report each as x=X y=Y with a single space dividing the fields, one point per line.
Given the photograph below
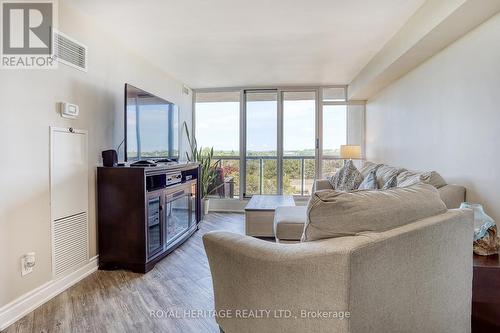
x=350 y=152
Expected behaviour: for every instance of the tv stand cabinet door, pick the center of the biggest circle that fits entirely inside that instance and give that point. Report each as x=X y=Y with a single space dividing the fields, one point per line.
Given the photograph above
x=155 y=224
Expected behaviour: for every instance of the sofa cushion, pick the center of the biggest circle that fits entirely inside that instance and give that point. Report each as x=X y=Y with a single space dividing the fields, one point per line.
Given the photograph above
x=336 y=214
x=347 y=178
x=322 y=184
x=369 y=182
x=408 y=178
x=452 y=195
x=289 y=222
x=385 y=173
x=368 y=167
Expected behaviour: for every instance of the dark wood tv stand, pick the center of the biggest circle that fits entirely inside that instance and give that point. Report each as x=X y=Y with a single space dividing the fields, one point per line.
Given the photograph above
x=140 y=217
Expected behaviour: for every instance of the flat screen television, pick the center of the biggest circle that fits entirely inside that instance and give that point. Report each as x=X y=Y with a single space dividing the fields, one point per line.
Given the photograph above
x=151 y=126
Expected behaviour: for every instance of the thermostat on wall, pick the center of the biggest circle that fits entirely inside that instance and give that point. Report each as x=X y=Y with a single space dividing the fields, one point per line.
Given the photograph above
x=69 y=110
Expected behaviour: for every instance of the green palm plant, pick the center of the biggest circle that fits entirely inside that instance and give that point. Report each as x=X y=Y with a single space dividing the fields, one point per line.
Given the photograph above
x=205 y=158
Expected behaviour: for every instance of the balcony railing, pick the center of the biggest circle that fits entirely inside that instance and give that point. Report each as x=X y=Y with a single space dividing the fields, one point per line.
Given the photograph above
x=261 y=175
x=298 y=175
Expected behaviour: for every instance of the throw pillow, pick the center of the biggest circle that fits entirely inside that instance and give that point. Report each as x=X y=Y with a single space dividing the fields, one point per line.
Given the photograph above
x=368 y=167
x=336 y=214
x=392 y=182
x=370 y=181
x=347 y=178
x=408 y=178
x=385 y=173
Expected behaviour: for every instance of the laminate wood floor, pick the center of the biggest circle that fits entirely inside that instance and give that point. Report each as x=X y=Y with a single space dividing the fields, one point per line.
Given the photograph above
x=121 y=301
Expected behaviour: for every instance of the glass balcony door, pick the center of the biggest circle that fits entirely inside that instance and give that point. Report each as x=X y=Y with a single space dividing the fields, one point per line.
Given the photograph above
x=261 y=142
x=299 y=141
x=334 y=135
x=280 y=141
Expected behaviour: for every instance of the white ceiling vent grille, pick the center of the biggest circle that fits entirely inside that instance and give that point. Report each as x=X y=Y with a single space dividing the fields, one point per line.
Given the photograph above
x=70 y=242
x=70 y=52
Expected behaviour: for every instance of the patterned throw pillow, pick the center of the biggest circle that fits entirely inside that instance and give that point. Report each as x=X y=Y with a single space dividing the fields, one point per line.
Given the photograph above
x=368 y=167
x=347 y=178
x=408 y=178
x=391 y=182
x=370 y=181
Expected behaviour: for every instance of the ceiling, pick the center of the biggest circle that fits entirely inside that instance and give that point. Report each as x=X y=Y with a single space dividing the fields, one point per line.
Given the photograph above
x=232 y=43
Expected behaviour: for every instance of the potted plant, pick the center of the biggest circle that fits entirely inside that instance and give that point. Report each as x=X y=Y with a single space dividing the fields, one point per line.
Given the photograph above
x=208 y=167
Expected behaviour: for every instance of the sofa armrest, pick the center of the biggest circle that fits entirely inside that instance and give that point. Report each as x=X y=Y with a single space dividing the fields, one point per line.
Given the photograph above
x=322 y=184
x=249 y=273
x=452 y=195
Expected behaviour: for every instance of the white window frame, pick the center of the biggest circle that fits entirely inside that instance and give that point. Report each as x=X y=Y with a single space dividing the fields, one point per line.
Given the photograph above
x=280 y=90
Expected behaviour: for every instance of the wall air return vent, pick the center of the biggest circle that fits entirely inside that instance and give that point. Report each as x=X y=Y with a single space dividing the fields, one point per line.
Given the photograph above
x=69 y=193
x=70 y=242
x=70 y=52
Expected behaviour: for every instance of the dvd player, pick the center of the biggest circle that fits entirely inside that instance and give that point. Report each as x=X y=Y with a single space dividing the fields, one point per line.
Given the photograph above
x=174 y=178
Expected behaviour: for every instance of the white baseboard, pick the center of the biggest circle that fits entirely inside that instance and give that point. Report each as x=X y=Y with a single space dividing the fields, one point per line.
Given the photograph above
x=28 y=302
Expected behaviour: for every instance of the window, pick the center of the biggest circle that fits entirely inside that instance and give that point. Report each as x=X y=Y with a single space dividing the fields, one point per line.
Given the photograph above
x=261 y=143
x=299 y=137
x=217 y=125
x=334 y=129
x=290 y=137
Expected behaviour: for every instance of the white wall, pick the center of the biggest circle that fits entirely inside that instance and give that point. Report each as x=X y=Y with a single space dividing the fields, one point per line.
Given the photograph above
x=356 y=124
x=28 y=107
x=445 y=116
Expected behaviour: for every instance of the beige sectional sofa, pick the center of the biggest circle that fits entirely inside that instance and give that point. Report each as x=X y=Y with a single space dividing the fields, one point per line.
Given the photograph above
x=405 y=266
x=399 y=261
x=289 y=222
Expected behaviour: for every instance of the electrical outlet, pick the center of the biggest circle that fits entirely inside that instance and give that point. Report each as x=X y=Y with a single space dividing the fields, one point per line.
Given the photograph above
x=27 y=263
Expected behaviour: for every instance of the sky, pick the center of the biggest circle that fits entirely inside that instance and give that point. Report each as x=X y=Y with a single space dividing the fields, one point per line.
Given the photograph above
x=217 y=125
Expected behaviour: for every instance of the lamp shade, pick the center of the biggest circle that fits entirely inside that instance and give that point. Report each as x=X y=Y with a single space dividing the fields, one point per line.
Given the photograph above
x=351 y=152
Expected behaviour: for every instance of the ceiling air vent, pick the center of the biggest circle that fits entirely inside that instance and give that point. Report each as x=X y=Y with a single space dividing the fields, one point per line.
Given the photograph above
x=70 y=52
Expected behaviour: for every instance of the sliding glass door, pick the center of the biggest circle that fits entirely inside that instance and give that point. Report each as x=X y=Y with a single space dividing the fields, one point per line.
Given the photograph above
x=280 y=141
x=261 y=156
x=333 y=129
x=299 y=137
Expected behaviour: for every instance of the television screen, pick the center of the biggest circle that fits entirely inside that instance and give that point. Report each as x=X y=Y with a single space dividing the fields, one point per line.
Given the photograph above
x=151 y=126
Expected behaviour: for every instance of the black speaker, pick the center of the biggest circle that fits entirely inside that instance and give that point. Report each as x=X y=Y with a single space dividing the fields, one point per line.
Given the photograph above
x=109 y=158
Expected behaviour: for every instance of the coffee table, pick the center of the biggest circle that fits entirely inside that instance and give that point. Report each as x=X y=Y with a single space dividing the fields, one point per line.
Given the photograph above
x=259 y=213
